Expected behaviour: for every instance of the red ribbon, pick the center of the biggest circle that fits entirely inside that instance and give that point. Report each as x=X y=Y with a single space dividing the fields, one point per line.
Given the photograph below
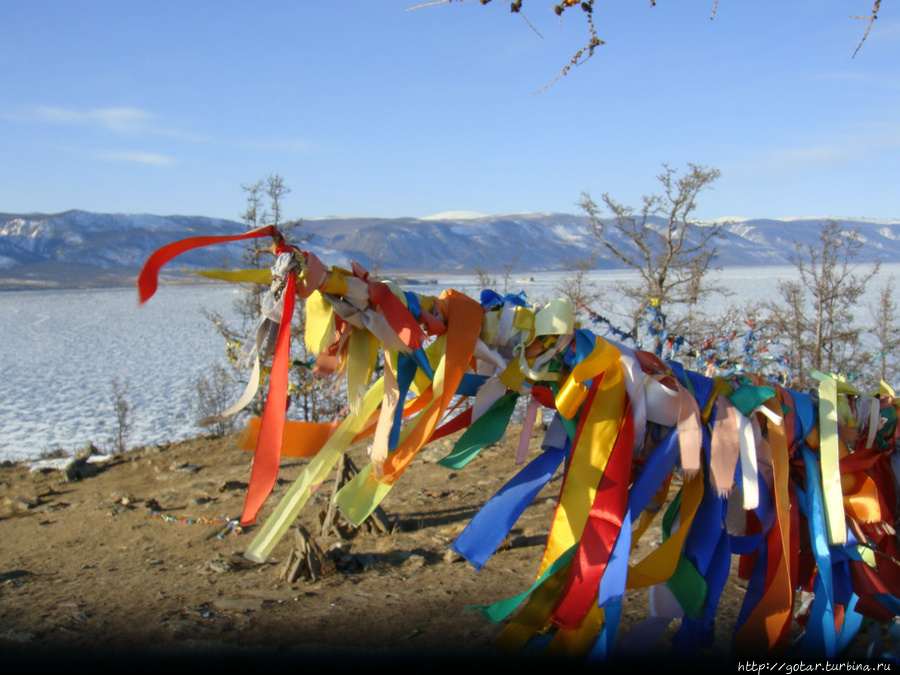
x=149 y=277
x=600 y=533
x=398 y=316
x=267 y=456
x=461 y=421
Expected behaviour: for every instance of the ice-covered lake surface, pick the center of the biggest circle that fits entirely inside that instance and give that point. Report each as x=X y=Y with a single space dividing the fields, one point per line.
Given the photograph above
x=60 y=350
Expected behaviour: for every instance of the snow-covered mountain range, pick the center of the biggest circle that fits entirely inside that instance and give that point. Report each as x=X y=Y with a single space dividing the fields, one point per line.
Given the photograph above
x=77 y=248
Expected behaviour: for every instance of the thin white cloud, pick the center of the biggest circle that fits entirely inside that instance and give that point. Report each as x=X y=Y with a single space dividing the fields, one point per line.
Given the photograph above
x=798 y=159
x=883 y=134
x=823 y=153
x=129 y=120
x=287 y=145
x=878 y=137
x=875 y=81
x=883 y=34
x=119 y=120
x=151 y=158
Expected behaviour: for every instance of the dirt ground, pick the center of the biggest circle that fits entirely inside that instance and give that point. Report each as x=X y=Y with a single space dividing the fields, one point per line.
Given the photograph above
x=87 y=571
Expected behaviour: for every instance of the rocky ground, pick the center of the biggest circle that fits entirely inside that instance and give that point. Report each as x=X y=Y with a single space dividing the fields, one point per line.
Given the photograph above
x=123 y=561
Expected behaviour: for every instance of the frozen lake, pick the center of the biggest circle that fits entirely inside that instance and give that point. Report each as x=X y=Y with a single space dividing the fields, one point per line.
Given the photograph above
x=60 y=350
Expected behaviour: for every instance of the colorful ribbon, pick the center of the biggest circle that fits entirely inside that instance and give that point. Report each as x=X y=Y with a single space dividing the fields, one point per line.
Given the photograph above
x=766 y=473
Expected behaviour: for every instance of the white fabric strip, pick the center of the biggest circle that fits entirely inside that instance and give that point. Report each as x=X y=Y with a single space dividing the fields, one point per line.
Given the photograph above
x=749 y=469
x=662 y=403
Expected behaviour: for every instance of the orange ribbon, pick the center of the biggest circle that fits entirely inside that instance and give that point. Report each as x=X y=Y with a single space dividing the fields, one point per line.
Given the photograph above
x=463 y=327
x=768 y=625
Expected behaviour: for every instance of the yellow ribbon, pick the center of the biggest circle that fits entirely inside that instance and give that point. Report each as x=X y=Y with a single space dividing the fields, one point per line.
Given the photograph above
x=534 y=617
x=523 y=320
x=573 y=391
x=489 y=326
x=592 y=448
x=360 y=366
x=336 y=284
x=577 y=642
x=660 y=564
x=555 y=318
x=316 y=472
x=263 y=276
x=829 y=456
x=319 y=328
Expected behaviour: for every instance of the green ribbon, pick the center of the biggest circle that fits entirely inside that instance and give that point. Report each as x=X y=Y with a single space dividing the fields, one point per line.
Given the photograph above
x=487 y=429
x=686 y=583
x=360 y=496
x=500 y=610
x=748 y=397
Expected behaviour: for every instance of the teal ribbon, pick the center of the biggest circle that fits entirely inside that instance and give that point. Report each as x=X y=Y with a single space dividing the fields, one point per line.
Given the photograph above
x=498 y=611
x=748 y=397
x=487 y=429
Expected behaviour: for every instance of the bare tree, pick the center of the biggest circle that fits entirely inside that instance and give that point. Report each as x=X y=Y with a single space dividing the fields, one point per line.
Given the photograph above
x=257 y=254
x=886 y=330
x=277 y=191
x=816 y=316
x=312 y=396
x=788 y=321
x=248 y=304
x=577 y=286
x=212 y=394
x=594 y=41
x=484 y=278
x=671 y=252
x=123 y=412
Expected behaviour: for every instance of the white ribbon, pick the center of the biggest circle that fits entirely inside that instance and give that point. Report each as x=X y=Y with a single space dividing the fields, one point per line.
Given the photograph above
x=749 y=468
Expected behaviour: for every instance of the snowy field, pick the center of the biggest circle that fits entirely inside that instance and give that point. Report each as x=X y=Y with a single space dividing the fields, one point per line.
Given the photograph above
x=62 y=349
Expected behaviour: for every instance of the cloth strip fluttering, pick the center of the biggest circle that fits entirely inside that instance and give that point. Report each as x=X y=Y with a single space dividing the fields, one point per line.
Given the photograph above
x=800 y=486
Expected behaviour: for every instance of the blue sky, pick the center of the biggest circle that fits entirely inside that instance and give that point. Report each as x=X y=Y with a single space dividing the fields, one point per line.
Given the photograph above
x=367 y=109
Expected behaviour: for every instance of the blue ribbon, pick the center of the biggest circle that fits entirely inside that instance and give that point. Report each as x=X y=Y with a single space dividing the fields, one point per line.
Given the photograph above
x=766 y=514
x=470 y=383
x=603 y=647
x=490 y=298
x=820 y=638
x=852 y=623
x=708 y=548
x=487 y=529
x=412 y=304
x=612 y=584
x=406 y=372
x=657 y=466
x=421 y=360
x=805 y=416
x=581 y=346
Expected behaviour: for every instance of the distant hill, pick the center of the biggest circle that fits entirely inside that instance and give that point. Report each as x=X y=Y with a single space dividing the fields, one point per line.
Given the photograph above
x=78 y=248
